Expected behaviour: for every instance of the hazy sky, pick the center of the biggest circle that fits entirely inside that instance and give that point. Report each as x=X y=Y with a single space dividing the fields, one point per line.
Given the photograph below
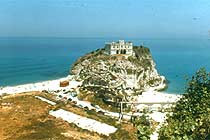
x=106 y=18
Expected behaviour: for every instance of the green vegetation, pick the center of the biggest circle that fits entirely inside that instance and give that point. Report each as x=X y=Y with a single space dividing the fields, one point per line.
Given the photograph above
x=123 y=134
x=99 y=96
x=141 y=51
x=152 y=82
x=94 y=55
x=142 y=57
x=145 y=63
x=191 y=115
x=144 y=129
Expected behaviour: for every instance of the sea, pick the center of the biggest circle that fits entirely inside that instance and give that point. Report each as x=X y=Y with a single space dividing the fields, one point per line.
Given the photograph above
x=29 y=60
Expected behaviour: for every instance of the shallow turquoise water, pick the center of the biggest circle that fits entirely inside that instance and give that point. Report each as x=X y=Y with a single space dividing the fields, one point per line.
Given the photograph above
x=26 y=60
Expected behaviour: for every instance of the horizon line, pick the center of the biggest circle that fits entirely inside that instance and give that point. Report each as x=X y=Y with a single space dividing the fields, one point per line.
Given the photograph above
x=76 y=37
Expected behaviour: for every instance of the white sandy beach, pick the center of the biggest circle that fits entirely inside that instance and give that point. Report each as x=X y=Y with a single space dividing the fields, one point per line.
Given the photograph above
x=51 y=85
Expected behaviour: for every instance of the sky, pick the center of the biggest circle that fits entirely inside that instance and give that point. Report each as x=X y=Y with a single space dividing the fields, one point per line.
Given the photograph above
x=105 y=18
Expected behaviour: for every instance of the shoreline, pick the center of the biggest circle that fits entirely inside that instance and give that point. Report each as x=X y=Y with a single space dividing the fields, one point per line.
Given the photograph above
x=152 y=95
x=49 y=85
x=68 y=77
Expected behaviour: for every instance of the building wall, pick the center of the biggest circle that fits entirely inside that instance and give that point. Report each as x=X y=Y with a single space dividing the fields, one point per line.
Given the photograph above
x=113 y=52
x=120 y=47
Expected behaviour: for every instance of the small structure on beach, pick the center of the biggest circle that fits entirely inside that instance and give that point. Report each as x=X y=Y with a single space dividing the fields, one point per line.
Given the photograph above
x=64 y=83
x=119 y=47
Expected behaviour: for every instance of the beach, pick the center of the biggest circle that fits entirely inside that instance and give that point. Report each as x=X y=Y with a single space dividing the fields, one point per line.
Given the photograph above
x=50 y=86
x=149 y=98
x=151 y=95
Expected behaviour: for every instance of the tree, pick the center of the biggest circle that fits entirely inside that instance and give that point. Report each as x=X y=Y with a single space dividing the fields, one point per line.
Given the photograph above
x=191 y=115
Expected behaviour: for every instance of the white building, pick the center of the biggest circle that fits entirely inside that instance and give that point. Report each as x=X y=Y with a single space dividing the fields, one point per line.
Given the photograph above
x=120 y=47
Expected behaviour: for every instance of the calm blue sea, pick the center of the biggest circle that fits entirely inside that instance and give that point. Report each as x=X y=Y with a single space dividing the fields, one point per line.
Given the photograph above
x=27 y=60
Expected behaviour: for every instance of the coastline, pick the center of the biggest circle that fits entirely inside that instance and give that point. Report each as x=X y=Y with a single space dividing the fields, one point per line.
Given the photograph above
x=52 y=85
x=151 y=95
x=49 y=85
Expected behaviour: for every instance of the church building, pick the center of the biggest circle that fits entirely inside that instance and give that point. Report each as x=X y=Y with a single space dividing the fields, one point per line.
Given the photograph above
x=119 y=47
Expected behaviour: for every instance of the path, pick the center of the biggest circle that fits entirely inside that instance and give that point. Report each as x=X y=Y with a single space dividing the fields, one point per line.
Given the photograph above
x=83 y=122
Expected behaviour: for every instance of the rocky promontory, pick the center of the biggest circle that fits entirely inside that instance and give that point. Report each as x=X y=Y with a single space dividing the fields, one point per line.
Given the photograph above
x=118 y=75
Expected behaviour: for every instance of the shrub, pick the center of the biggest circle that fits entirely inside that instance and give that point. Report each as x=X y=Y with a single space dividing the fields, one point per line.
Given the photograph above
x=191 y=115
x=144 y=129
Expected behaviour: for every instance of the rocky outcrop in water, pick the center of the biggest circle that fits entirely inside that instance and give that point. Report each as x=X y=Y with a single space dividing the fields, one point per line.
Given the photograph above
x=118 y=76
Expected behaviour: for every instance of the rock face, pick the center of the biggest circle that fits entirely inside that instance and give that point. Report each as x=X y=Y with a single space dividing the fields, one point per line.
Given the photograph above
x=118 y=75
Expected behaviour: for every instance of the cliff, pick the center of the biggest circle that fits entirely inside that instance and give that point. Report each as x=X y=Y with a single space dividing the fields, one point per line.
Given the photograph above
x=118 y=76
